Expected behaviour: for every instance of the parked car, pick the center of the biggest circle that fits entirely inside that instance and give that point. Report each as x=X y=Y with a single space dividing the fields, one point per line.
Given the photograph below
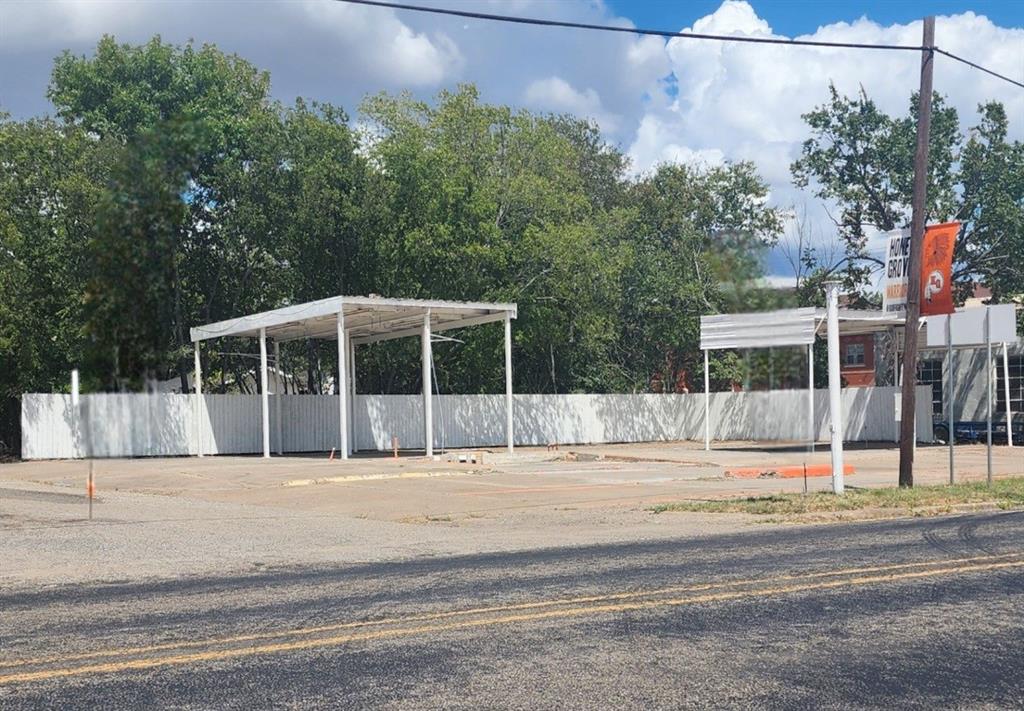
x=975 y=432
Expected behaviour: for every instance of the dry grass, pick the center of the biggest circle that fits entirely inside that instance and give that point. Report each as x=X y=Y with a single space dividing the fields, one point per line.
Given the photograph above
x=1004 y=494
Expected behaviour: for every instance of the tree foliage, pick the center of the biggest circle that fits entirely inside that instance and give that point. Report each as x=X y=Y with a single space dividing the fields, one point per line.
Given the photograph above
x=862 y=159
x=172 y=190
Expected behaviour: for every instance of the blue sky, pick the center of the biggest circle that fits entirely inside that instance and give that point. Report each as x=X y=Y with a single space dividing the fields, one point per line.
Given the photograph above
x=794 y=17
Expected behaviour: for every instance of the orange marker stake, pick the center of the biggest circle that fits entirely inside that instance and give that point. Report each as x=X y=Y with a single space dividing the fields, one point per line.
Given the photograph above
x=90 y=490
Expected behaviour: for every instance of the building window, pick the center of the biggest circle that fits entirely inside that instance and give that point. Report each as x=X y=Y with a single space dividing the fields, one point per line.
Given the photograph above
x=1016 y=384
x=854 y=354
x=929 y=372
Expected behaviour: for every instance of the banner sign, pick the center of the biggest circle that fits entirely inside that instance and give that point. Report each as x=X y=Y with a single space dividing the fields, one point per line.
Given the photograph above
x=936 y=270
x=897 y=267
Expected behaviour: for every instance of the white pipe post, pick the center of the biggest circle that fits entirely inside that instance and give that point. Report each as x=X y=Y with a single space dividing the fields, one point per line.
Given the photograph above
x=352 y=396
x=835 y=402
x=197 y=387
x=707 y=403
x=1006 y=394
x=952 y=390
x=988 y=394
x=895 y=372
x=340 y=387
x=428 y=413
x=277 y=397
x=76 y=415
x=508 y=381
x=811 y=434
x=264 y=397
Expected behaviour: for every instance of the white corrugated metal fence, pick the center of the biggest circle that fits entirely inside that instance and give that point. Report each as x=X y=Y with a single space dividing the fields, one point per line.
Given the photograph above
x=167 y=424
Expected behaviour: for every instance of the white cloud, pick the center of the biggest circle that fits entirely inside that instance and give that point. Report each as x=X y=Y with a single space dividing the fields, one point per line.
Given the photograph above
x=387 y=44
x=745 y=101
x=658 y=142
x=557 y=95
x=326 y=50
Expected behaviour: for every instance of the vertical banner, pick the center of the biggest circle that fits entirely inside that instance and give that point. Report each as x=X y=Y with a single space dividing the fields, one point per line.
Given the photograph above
x=897 y=263
x=937 y=269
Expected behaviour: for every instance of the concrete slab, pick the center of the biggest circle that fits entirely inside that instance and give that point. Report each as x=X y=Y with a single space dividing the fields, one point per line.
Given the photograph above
x=184 y=516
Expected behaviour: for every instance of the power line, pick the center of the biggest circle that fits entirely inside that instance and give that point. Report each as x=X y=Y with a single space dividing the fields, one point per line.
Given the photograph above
x=666 y=33
x=980 y=68
x=626 y=30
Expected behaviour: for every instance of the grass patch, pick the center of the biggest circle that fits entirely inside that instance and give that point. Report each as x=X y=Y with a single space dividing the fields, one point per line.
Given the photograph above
x=1004 y=493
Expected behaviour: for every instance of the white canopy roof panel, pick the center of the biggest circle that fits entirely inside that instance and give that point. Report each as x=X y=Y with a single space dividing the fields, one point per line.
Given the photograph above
x=367 y=319
x=786 y=327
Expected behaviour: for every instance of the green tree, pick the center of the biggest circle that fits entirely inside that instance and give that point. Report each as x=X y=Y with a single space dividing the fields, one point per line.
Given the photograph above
x=49 y=182
x=487 y=203
x=862 y=159
x=697 y=241
x=135 y=296
x=131 y=95
x=174 y=191
x=991 y=205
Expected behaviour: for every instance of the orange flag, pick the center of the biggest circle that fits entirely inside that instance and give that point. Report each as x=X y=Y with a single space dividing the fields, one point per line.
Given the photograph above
x=937 y=268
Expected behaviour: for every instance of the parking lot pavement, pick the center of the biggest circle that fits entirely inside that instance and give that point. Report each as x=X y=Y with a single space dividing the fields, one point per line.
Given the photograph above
x=907 y=614
x=183 y=516
x=383 y=488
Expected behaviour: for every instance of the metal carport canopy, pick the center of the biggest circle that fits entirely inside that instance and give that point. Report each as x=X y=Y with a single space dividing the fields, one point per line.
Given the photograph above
x=794 y=327
x=354 y=321
x=786 y=327
x=367 y=319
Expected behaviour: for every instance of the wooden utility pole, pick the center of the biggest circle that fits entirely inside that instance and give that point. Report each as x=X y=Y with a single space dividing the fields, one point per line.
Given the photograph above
x=917 y=220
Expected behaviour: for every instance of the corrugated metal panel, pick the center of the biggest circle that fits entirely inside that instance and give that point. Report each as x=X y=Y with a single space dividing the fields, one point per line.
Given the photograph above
x=165 y=424
x=788 y=327
x=309 y=422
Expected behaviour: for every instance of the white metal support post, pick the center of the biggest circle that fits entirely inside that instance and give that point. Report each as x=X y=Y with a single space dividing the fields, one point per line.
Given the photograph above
x=76 y=414
x=264 y=397
x=988 y=394
x=277 y=398
x=352 y=396
x=197 y=386
x=508 y=381
x=835 y=403
x=707 y=403
x=1006 y=395
x=895 y=372
x=341 y=388
x=428 y=414
x=950 y=374
x=811 y=434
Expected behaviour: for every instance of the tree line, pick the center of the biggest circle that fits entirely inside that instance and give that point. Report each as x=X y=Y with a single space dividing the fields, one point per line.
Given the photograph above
x=170 y=189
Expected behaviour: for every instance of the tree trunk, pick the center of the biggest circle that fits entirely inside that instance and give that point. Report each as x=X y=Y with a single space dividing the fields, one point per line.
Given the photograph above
x=310 y=375
x=554 y=383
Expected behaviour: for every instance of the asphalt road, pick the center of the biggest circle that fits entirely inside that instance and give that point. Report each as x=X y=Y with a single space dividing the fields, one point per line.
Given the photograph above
x=899 y=614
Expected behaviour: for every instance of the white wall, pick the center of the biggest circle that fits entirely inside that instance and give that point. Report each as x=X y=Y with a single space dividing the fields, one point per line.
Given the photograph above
x=165 y=424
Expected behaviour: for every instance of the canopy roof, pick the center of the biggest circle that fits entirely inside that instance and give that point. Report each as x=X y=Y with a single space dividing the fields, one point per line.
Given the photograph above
x=367 y=319
x=786 y=327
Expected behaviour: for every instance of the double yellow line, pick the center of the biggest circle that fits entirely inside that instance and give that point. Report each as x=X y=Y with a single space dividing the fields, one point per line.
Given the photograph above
x=298 y=639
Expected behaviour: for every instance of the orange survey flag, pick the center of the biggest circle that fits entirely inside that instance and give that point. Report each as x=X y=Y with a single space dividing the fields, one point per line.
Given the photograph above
x=937 y=269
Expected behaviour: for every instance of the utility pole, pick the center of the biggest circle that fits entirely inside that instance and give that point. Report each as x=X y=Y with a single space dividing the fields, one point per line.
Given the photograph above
x=917 y=220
